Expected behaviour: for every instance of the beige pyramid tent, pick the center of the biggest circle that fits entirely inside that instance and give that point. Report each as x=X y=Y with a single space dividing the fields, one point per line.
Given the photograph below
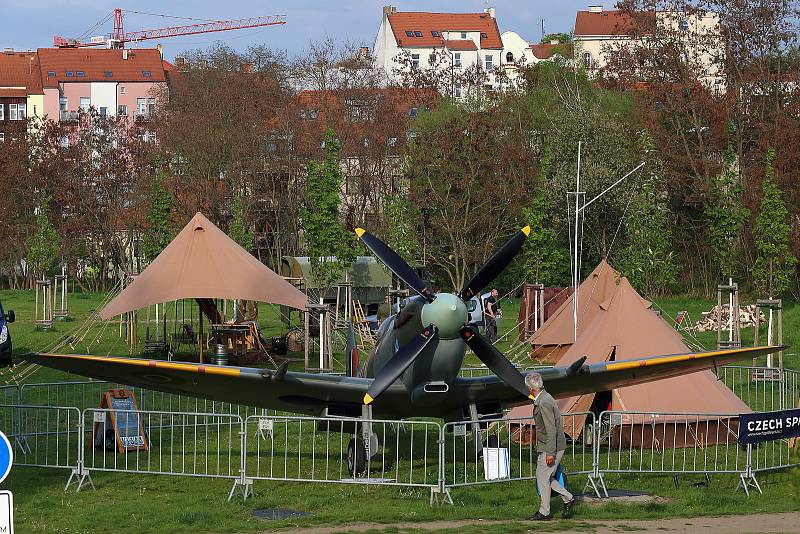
x=624 y=327
x=204 y=263
x=556 y=335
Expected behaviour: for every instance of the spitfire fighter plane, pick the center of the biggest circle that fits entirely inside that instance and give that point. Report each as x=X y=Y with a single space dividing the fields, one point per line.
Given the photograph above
x=413 y=371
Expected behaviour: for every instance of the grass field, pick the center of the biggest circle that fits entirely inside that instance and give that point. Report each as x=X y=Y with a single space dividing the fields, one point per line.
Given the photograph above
x=162 y=503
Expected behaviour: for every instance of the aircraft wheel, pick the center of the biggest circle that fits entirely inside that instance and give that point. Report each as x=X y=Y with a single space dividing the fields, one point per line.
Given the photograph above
x=356 y=457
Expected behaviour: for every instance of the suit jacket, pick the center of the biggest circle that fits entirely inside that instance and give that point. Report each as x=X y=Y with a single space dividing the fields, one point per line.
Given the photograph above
x=550 y=436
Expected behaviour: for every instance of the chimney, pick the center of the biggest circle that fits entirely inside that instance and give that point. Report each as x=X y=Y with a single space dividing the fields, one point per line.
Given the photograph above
x=363 y=52
x=8 y=50
x=160 y=49
x=491 y=11
x=388 y=10
x=180 y=62
x=595 y=9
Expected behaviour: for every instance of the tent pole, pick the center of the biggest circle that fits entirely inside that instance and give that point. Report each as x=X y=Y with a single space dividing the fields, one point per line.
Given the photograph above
x=201 y=335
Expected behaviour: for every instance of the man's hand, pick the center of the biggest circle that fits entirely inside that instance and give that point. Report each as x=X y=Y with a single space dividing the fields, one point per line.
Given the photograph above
x=550 y=459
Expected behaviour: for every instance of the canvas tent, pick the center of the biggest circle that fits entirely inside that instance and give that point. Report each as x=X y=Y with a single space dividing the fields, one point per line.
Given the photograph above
x=625 y=327
x=204 y=263
x=556 y=335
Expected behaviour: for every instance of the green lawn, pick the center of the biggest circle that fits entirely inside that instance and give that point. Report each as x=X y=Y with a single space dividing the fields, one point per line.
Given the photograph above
x=162 y=503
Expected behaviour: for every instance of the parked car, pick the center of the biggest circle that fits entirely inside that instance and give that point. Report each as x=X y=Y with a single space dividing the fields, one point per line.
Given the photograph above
x=5 y=336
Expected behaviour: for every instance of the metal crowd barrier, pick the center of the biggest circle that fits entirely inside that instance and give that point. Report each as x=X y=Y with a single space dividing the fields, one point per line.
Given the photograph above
x=763 y=389
x=42 y=436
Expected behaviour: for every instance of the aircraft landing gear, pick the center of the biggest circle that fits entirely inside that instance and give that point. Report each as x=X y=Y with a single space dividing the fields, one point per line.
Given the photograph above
x=356 y=456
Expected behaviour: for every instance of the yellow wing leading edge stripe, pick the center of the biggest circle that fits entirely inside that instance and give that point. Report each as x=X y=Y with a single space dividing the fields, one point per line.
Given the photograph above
x=155 y=364
x=674 y=359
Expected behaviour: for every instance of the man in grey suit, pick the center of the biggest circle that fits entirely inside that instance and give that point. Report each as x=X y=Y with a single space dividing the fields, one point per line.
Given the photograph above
x=550 y=445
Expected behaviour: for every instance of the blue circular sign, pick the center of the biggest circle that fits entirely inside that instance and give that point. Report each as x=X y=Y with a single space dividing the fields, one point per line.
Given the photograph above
x=6 y=457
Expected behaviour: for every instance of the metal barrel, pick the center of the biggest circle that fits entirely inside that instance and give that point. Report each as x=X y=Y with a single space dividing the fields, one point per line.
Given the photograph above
x=221 y=354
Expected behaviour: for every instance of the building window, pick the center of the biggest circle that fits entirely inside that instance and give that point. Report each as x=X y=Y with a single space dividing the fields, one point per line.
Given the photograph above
x=151 y=106
x=62 y=103
x=310 y=114
x=69 y=74
x=141 y=106
x=365 y=142
x=2 y=137
x=13 y=112
x=463 y=35
x=122 y=89
x=414 y=61
x=409 y=33
x=51 y=74
x=85 y=103
x=2 y=112
x=457 y=91
x=434 y=33
x=80 y=74
x=107 y=74
x=103 y=111
x=146 y=73
x=587 y=60
x=417 y=34
x=484 y=35
x=489 y=62
x=457 y=59
x=413 y=112
x=683 y=25
x=64 y=141
x=122 y=110
x=392 y=141
x=509 y=57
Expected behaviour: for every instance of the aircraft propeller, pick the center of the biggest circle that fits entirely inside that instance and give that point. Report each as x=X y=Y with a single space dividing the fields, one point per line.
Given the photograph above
x=446 y=314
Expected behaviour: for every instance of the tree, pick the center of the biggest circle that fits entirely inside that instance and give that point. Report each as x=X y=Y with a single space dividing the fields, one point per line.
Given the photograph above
x=562 y=38
x=402 y=227
x=647 y=258
x=239 y=231
x=44 y=244
x=775 y=267
x=157 y=234
x=328 y=245
x=725 y=215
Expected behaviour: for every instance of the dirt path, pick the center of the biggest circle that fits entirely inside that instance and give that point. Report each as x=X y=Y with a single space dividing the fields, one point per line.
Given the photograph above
x=756 y=523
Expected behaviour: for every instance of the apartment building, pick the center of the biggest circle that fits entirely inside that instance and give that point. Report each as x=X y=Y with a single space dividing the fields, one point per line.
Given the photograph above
x=21 y=93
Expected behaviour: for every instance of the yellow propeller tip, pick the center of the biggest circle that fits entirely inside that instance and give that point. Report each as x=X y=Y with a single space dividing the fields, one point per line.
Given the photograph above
x=526 y=231
x=360 y=232
x=532 y=397
x=367 y=399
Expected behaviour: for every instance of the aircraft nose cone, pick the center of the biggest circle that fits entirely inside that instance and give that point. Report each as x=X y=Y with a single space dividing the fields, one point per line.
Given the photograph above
x=447 y=312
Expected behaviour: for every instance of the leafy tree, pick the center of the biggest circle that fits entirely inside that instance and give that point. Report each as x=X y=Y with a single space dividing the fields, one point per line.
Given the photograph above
x=775 y=267
x=402 y=232
x=158 y=233
x=328 y=244
x=44 y=244
x=238 y=230
x=544 y=259
x=562 y=38
x=647 y=258
x=725 y=215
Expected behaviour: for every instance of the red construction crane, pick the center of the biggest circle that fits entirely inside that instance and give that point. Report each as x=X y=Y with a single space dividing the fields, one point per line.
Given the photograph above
x=119 y=36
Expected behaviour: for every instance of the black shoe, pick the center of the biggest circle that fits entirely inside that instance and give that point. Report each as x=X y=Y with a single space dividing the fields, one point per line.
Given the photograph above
x=568 y=509
x=539 y=517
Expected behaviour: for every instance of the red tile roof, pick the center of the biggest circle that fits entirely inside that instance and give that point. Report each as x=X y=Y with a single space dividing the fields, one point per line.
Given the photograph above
x=604 y=23
x=20 y=69
x=546 y=51
x=95 y=63
x=460 y=44
x=416 y=21
x=5 y=93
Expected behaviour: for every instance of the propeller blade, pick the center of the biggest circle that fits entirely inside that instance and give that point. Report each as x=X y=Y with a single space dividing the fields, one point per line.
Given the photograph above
x=400 y=362
x=495 y=265
x=396 y=264
x=494 y=360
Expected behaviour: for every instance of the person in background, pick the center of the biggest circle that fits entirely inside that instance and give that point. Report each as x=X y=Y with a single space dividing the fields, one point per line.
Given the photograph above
x=492 y=310
x=550 y=445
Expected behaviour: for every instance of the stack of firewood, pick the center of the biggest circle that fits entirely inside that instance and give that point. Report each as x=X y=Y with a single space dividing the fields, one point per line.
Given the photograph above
x=747 y=317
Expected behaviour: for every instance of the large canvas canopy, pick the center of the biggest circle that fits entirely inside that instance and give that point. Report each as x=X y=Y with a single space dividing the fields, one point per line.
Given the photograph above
x=556 y=335
x=625 y=327
x=202 y=262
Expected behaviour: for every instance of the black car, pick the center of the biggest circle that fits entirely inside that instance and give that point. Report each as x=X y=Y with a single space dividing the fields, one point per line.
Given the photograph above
x=5 y=336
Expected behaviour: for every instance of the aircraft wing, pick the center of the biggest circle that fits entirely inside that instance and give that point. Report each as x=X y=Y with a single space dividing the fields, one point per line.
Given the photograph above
x=292 y=392
x=565 y=382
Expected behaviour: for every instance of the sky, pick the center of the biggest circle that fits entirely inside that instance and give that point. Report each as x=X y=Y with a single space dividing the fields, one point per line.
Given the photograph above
x=31 y=24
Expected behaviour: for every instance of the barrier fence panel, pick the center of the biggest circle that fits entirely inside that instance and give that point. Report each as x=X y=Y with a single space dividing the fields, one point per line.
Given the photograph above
x=506 y=450
x=160 y=442
x=316 y=449
x=43 y=436
x=763 y=389
x=638 y=442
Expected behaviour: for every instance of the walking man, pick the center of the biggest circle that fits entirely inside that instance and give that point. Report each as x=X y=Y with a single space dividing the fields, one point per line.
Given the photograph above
x=492 y=308
x=550 y=445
